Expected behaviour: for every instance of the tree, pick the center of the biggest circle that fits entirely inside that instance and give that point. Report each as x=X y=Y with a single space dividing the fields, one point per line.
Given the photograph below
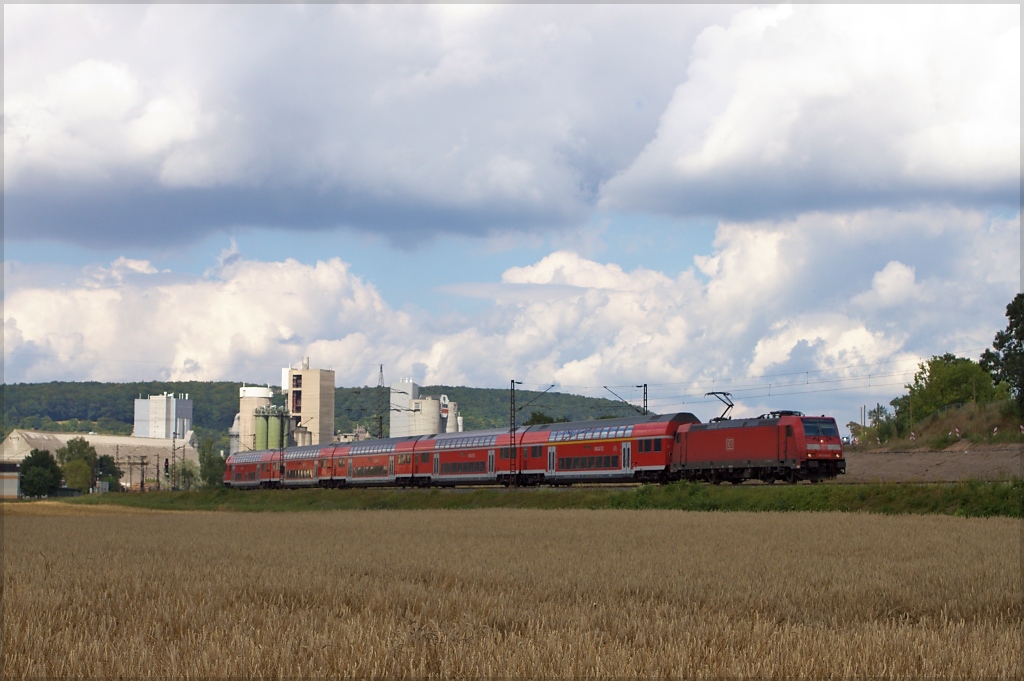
x=108 y=471
x=211 y=464
x=1005 y=362
x=40 y=474
x=942 y=381
x=78 y=474
x=185 y=473
x=78 y=460
x=878 y=415
x=539 y=418
x=77 y=448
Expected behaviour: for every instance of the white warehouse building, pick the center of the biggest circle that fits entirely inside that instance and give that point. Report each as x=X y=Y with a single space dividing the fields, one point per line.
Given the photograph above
x=163 y=416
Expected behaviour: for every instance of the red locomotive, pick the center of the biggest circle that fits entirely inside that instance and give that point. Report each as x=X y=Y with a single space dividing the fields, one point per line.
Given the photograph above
x=778 y=446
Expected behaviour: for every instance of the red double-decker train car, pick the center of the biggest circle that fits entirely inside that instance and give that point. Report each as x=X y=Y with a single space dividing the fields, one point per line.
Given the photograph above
x=778 y=446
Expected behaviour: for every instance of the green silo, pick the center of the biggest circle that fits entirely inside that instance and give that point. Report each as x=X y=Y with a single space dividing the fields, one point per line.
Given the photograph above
x=261 y=432
x=274 y=422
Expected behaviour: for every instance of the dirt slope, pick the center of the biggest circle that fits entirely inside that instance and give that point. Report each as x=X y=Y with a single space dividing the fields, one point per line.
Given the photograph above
x=961 y=461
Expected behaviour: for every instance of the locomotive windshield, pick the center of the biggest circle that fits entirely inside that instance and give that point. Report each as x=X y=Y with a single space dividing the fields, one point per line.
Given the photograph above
x=820 y=427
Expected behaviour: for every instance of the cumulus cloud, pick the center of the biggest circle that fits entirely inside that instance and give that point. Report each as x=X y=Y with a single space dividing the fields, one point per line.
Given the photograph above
x=892 y=285
x=246 y=318
x=822 y=296
x=792 y=108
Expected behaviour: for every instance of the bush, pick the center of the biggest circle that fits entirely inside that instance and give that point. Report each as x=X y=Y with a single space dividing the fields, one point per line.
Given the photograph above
x=40 y=474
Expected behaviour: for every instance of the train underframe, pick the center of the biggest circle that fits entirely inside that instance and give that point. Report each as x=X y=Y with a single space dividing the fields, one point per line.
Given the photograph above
x=769 y=472
x=813 y=471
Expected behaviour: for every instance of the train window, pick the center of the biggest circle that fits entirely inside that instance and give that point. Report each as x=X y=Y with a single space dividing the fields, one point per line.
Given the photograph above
x=615 y=461
x=657 y=445
x=607 y=462
x=425 y=457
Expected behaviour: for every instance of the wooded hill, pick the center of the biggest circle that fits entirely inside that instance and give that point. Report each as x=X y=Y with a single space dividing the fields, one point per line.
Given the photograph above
x=110 y=407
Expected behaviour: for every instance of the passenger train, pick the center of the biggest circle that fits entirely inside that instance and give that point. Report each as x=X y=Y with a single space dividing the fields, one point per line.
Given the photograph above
x=780 y=446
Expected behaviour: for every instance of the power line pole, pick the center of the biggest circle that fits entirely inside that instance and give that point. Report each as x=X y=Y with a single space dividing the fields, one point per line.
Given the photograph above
x=512 y=471
x=174 y=471
x=381 y=401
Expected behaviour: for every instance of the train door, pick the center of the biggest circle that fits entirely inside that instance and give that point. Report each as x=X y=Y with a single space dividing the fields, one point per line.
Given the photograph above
x=627 y=456
x=787 y=446
x=551 y=459
x=437 y=463
x=391 y=466
x=490 y=461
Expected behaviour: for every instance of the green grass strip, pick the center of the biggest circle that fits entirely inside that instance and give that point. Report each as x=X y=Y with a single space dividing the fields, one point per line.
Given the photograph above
x=969 y=499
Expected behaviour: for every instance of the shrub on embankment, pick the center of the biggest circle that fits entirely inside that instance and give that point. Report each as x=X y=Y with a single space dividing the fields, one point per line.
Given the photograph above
x=972 y=498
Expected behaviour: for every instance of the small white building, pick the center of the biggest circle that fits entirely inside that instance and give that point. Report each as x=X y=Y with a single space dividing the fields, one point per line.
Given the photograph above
x=10 y=482
x=163 y=416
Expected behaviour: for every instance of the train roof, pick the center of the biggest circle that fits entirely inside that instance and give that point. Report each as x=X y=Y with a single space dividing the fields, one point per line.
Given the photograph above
x=682 y=417
x=485 y=437
x=771 y=419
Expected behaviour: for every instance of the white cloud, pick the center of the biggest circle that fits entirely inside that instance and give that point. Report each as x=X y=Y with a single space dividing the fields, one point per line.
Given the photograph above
x=798 y=106
x=821 y=295
x=251 y=316
x=890 y=286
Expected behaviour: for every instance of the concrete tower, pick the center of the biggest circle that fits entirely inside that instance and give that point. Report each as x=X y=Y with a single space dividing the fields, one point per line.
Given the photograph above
x=309 y=397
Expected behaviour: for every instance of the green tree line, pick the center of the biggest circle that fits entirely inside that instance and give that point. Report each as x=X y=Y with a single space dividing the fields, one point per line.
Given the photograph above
x=109 y=408
x=947 y=380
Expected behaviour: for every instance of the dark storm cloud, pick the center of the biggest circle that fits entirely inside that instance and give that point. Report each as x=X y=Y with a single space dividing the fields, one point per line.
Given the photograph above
x=158 y=216
x=414 y=120
x=764 y=194
x=398 y=120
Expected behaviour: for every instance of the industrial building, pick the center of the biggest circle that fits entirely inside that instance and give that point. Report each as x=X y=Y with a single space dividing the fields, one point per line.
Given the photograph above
x=412 y=414
x=309 y=399
x=242 y=435
x=306 y=418
x=163 y=416
x=140 y=458
x=10 y=482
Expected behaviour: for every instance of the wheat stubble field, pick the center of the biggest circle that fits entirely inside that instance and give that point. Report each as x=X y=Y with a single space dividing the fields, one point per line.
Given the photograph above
x=509 y=593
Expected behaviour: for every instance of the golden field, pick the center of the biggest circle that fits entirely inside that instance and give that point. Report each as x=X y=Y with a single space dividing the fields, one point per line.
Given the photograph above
x=508 y=593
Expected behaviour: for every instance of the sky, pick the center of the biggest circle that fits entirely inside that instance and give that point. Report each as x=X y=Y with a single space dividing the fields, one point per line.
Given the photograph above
x=796 y=204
